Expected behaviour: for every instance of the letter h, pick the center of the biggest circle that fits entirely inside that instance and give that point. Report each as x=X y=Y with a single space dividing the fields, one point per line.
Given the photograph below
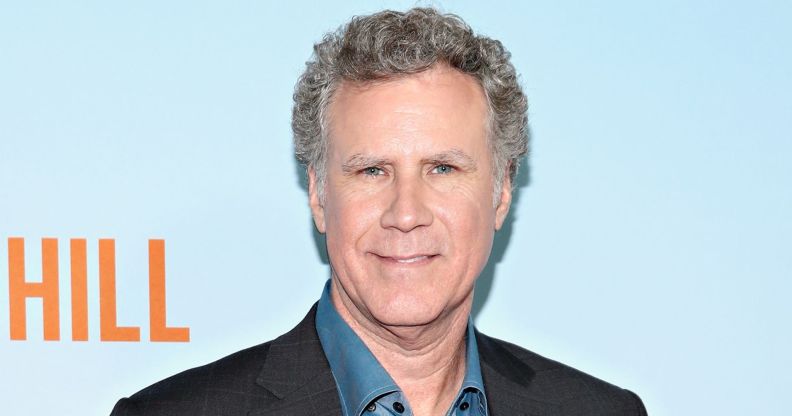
x=19 y=290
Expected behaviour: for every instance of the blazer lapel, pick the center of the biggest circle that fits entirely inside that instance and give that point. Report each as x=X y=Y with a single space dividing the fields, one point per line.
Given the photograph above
x=296 y=372
x=507 y=382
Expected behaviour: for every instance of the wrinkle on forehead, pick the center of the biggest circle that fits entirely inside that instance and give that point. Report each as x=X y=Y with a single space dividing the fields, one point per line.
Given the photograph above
x=422 y=87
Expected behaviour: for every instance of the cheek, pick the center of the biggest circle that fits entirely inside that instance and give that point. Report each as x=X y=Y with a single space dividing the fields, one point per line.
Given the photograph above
x=470 y=226
x=348 y=221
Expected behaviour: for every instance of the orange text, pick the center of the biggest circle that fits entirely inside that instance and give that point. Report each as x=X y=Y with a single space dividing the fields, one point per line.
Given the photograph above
x=19 y=290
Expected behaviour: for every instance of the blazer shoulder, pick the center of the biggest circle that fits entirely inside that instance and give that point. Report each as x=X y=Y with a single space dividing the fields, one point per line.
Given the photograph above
x=228 y=386
x=223 y=384
x=574 y=391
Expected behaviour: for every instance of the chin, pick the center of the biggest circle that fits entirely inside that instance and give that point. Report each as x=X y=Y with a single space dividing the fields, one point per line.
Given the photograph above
x=404 y=311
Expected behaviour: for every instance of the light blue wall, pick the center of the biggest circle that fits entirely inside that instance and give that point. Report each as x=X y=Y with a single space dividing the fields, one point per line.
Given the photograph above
x=651 y=247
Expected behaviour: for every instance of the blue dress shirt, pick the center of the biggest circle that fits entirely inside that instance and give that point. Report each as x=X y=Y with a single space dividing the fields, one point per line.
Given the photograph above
x=366 y=389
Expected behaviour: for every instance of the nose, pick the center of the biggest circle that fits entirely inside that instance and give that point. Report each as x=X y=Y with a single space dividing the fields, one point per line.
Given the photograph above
x=408 y=207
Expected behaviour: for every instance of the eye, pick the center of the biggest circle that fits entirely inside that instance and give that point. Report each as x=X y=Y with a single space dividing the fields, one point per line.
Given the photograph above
x=373 y=171
x=443 y=169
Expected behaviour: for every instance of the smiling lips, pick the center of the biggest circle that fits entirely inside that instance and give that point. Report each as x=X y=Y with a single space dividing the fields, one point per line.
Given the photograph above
x=407 y=260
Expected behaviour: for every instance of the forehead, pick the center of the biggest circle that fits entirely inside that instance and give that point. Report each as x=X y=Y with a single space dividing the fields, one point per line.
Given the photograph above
x=435 y=109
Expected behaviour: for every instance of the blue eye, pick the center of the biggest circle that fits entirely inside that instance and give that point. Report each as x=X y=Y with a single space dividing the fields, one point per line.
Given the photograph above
x=372 y=171
x=443 y=169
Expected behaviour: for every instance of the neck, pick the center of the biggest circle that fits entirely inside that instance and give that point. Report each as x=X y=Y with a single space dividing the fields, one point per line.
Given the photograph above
x=427 y=362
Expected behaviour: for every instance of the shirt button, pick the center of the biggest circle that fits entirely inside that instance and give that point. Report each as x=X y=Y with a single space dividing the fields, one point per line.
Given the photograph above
x=398 y=407
x=371 y=407
x=464 y=406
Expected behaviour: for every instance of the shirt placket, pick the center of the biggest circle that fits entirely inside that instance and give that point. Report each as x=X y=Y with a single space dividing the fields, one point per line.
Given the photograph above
x=391 y=404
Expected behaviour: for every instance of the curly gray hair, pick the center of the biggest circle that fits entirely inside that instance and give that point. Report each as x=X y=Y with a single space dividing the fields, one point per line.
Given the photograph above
x=390 y=44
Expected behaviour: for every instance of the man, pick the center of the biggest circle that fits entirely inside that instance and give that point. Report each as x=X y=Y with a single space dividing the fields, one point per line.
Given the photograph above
x=411 y=129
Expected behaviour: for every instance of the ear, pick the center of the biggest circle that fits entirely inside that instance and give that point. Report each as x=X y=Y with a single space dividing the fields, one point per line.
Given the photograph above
x=502 y=209
x=317 y=208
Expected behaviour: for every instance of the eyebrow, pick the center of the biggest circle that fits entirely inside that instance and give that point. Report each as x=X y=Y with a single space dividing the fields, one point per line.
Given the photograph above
x=360 y=161
x=454 y=157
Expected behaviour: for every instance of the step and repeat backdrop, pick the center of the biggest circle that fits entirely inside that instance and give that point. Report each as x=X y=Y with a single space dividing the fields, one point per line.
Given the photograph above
x=153 y=218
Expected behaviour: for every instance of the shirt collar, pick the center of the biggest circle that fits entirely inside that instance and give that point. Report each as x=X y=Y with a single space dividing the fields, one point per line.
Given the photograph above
x=359 y=376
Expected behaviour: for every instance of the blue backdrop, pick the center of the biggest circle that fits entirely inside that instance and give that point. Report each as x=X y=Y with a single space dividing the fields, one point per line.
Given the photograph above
x=649 y=245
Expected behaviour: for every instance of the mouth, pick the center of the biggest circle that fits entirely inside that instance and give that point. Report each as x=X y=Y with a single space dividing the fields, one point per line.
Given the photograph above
x=407 y=260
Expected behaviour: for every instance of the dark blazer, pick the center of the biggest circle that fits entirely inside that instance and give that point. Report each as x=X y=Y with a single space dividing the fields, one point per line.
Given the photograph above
x=290 y=376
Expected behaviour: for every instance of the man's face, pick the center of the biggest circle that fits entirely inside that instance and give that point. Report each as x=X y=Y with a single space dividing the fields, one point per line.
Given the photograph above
x=408 y=209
